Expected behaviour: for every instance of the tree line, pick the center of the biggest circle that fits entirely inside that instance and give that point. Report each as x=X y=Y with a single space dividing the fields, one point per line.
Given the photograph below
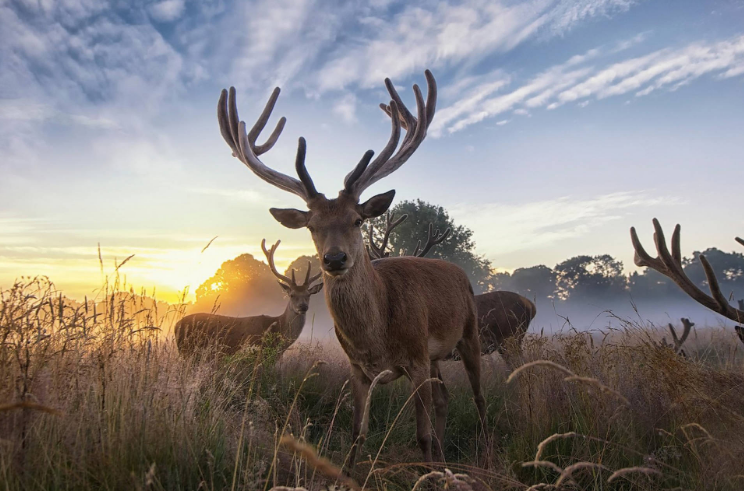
x=245 y=285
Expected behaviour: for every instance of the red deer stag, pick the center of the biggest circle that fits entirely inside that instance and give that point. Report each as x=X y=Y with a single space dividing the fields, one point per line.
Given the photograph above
x=229 y=334
x=393 y=318
x=503 y=317
x=670 y=265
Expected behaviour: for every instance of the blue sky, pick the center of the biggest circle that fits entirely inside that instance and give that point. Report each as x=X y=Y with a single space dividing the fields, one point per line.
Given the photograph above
x=559 y=125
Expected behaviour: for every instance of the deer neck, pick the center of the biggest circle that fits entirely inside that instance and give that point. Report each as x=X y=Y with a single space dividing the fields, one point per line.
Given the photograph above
x=290 y=324
x=356 y=301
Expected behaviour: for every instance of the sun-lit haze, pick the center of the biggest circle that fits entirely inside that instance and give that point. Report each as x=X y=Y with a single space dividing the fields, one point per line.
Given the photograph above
x=559 y=125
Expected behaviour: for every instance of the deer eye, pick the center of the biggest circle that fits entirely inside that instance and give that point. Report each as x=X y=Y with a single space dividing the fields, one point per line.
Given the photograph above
x=358 y=222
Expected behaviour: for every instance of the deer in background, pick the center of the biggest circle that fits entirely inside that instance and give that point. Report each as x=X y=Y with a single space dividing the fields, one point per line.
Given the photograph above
x=393 y=318
x=678 y=341
x=670 y=265
x=503 y=317
x=229 y=334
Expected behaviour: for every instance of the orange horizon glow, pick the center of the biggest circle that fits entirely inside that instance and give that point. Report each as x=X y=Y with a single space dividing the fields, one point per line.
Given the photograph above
x=170 y=275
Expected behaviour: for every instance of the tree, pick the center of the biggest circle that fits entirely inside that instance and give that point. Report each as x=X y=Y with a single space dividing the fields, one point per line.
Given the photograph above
x=535 y=282
x=590 y=276
x=459 y=247
x=651 y=285
x=242 y=286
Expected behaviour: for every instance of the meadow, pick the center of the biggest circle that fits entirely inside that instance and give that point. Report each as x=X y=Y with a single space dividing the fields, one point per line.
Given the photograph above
x=94 y=395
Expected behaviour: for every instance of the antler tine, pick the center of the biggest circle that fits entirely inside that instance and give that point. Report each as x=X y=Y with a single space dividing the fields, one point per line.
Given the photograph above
x=261 y=124
x=670 y=265
x=270 y=259
x=679 y=341
x=715 y=288
x=739 y=240
x=391 y=224
x=244 y=146
x=309 y=280
x=386 y=163
x=374 y=251
x=433 y=239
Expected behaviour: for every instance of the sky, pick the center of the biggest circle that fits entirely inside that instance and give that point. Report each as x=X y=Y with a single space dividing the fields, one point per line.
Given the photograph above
x=559 y=125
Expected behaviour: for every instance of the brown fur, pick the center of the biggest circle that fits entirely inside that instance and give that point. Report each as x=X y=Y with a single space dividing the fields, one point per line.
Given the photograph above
x=503 y=316
x=228 y=335
x=402 y=314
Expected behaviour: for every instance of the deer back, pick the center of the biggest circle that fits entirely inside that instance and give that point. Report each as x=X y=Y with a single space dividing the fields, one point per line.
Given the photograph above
x=502 y=315
x=227 y=334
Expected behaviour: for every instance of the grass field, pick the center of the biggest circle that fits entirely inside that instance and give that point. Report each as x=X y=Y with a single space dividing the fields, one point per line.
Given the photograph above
x=95 y=396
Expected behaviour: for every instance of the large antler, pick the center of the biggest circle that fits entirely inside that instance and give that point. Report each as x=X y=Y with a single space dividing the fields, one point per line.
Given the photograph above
x=270 y=259
x=245 y=149
x=433 y=239
x=379 y=252
x=670 y=265
x=365 y=174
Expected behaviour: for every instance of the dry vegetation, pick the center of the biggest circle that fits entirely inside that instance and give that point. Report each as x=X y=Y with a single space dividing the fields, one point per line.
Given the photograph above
x=95 y=396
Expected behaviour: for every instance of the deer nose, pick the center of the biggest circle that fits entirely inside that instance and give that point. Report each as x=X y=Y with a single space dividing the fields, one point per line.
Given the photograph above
x=334 y=261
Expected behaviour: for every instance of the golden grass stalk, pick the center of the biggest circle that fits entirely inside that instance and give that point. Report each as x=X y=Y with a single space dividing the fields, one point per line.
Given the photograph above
x=647 y=471
x=414 y=392
x=421 y=480
x=321 y=464
x=540 y=363
x=568 y=471
x=556 y=436
x=596 y=383
x=368 y=404
x=543 y=463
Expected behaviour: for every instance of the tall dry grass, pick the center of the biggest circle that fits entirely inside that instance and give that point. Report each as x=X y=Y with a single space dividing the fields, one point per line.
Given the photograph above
x=93 y=395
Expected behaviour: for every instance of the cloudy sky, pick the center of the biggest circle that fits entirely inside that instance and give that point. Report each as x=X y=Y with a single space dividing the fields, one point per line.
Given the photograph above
x=559 y=125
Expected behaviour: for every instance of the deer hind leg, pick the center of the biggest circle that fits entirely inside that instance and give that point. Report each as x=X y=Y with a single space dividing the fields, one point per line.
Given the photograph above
x=359 y=391
x=441 y=400
x=469 y=349
x=419 y=376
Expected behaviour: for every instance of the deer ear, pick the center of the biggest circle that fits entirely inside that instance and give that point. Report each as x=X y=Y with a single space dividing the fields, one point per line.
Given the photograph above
x=377 y=205
x=315 y=289
x=286 y=288
x=289 y=217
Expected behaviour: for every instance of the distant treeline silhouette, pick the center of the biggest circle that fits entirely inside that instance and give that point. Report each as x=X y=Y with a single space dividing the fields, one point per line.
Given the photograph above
x=245 y=285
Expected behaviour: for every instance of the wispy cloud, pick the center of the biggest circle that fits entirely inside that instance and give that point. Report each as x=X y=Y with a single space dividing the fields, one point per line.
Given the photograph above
x=450 y=34
x=167 y=10
x=576 y=80
x=345 y=107
x=503 y=228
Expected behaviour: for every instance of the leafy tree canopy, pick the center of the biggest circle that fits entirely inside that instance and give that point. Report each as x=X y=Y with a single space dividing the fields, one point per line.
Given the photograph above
x=458 y=248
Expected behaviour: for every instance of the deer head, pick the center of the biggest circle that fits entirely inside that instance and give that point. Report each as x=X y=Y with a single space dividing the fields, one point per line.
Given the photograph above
x=335 y=224
x=299 y=295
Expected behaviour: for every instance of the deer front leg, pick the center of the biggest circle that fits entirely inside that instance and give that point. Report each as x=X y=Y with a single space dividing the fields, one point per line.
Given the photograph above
x=423 y=397
x=441 y=400
x=359 y=390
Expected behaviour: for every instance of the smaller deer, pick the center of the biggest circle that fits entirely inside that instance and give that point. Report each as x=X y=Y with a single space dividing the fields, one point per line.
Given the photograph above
x=230 y=334
x=503 y=317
